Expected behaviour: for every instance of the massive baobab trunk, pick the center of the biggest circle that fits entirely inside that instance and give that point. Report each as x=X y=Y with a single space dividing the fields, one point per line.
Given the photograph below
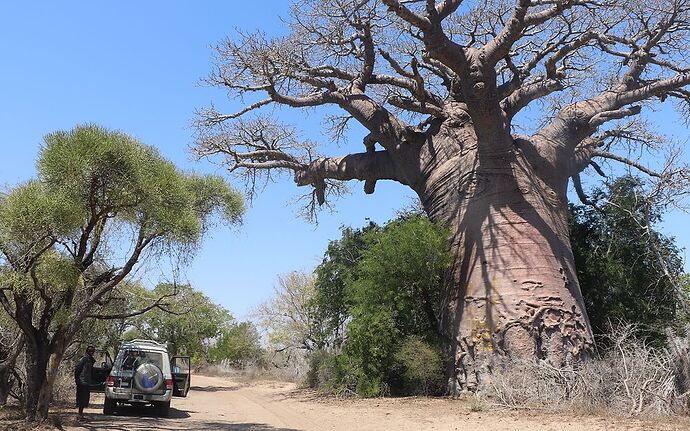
x=439 y=89
x=514 y=288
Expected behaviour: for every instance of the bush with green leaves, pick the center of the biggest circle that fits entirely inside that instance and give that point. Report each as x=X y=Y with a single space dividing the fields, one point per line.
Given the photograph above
x=621 y=275
x=239 y=344
x=420 y=364
x=389 y=292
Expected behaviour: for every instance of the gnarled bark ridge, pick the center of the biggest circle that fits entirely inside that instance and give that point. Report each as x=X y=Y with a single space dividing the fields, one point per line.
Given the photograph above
x=439 y=87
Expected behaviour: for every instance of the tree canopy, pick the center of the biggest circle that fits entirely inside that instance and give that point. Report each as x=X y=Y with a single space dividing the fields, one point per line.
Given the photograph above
x=101 y=203
x=621 y=275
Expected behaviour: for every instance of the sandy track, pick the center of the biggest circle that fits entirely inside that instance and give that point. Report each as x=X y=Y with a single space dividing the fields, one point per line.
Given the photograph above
x=222 y=404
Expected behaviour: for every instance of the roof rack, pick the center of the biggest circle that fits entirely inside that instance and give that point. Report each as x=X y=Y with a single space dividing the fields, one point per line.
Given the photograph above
x=142 y=341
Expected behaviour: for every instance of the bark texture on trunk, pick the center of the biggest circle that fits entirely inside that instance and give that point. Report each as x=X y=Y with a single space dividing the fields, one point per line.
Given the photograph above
x=5 y=373
x=37 y=357
x=514 y=290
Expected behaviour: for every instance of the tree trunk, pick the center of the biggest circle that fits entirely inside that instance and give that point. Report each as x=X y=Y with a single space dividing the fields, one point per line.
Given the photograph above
x=37 y=357
x=5 y=373
x=514 y=291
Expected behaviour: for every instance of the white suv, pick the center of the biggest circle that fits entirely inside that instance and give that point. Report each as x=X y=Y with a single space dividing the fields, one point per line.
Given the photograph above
x=143 y=373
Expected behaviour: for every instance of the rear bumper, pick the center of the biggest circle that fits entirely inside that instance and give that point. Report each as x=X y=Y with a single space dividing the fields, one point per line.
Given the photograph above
x=129 y=396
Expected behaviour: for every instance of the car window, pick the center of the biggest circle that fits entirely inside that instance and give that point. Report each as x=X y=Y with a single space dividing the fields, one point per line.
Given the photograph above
x=130 y=359
x=180 y=365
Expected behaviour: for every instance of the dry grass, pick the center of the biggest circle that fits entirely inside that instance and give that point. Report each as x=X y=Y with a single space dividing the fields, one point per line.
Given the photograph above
x=252 y=372
x=629 y=378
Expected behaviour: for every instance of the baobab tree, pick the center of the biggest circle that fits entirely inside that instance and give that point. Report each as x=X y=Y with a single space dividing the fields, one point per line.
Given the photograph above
x=442 y=89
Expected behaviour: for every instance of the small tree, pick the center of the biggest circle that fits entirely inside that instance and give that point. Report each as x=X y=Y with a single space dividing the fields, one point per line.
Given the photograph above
x=238 y=343
x=331 y=305
x=288 y=315
x=619 y=269
x=97 y=191
x=187 y=322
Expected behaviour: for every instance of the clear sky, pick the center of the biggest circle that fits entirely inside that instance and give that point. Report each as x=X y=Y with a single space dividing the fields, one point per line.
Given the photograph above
x=136 y=66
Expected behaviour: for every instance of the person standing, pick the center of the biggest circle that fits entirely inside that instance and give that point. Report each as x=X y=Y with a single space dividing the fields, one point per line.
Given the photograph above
x=83 y=379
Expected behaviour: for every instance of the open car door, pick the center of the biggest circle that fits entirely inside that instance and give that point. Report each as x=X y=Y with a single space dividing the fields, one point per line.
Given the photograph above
x=181 y=370
x=101 y=370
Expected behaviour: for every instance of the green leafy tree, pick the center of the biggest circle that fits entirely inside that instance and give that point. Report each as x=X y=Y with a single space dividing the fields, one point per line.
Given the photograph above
x=97 y=191
x=620 y=273
x=186 y=323
x=238 y=343
x=386 y=283
x=396 y=294
x=331 y=304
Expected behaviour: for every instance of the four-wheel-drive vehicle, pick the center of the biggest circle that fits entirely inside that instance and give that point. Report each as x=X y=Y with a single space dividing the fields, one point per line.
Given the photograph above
x=143 y=373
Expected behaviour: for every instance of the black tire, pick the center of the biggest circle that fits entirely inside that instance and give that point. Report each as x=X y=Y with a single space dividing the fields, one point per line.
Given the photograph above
x=164 y=409
x=109 y=406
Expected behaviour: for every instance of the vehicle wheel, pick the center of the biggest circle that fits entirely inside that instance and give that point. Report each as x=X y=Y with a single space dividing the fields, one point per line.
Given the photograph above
x=164 y=409
x=109 y=406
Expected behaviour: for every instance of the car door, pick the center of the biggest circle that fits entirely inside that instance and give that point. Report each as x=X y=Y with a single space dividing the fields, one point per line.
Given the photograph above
x=181 y=370
x=101 y=370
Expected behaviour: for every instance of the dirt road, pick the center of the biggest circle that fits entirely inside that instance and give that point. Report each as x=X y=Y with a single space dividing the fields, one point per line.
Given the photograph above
x=222 y=404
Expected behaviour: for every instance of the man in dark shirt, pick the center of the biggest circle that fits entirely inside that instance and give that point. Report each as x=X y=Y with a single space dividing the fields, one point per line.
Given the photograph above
x=82 y=378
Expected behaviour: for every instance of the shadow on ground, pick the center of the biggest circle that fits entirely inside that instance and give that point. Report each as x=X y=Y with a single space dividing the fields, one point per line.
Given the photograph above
x=113 y=424
x=214 y=388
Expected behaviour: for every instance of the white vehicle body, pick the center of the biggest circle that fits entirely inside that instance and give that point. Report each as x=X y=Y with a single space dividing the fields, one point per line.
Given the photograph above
x=140 y=375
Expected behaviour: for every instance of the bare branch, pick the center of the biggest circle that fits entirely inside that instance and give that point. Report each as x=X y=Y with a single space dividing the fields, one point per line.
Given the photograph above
x=634 y=164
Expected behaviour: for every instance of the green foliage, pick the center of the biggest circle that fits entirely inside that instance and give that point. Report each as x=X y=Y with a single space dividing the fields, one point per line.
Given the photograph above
x=421 y=366
x=92 y=168
x=387 y=284
x=620 y=274
x=187 y=323
x=239 y=343
x=102 y=203
x=330 y=304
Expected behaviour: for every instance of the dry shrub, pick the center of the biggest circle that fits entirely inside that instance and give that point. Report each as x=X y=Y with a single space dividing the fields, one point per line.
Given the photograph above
x=290 y=370
x=629 y=377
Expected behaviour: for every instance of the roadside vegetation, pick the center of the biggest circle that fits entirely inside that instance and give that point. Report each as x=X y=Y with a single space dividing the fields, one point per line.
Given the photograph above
x=366 y=321
x=102 y=205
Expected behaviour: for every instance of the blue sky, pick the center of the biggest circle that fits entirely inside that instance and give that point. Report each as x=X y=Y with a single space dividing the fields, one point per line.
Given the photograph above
x=136 y=66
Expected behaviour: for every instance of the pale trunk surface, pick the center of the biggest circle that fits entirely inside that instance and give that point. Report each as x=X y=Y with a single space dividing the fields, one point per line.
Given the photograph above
x=514 y=290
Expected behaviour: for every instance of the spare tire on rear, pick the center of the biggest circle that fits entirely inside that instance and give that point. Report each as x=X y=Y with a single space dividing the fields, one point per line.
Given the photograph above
x=148 y=378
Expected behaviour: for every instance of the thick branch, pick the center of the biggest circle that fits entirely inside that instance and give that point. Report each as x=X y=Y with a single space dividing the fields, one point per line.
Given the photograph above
x=372 y=166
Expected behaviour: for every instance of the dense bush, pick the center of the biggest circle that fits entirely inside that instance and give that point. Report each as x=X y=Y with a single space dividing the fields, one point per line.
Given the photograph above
x=386 y=289
x=621 y=275
x=420 y=365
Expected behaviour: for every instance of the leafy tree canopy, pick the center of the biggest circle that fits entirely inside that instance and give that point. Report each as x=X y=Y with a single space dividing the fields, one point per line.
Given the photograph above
x=101 y=203
x=621 y=275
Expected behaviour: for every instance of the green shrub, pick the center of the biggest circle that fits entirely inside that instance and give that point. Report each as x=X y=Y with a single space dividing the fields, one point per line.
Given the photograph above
x=420 y=365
